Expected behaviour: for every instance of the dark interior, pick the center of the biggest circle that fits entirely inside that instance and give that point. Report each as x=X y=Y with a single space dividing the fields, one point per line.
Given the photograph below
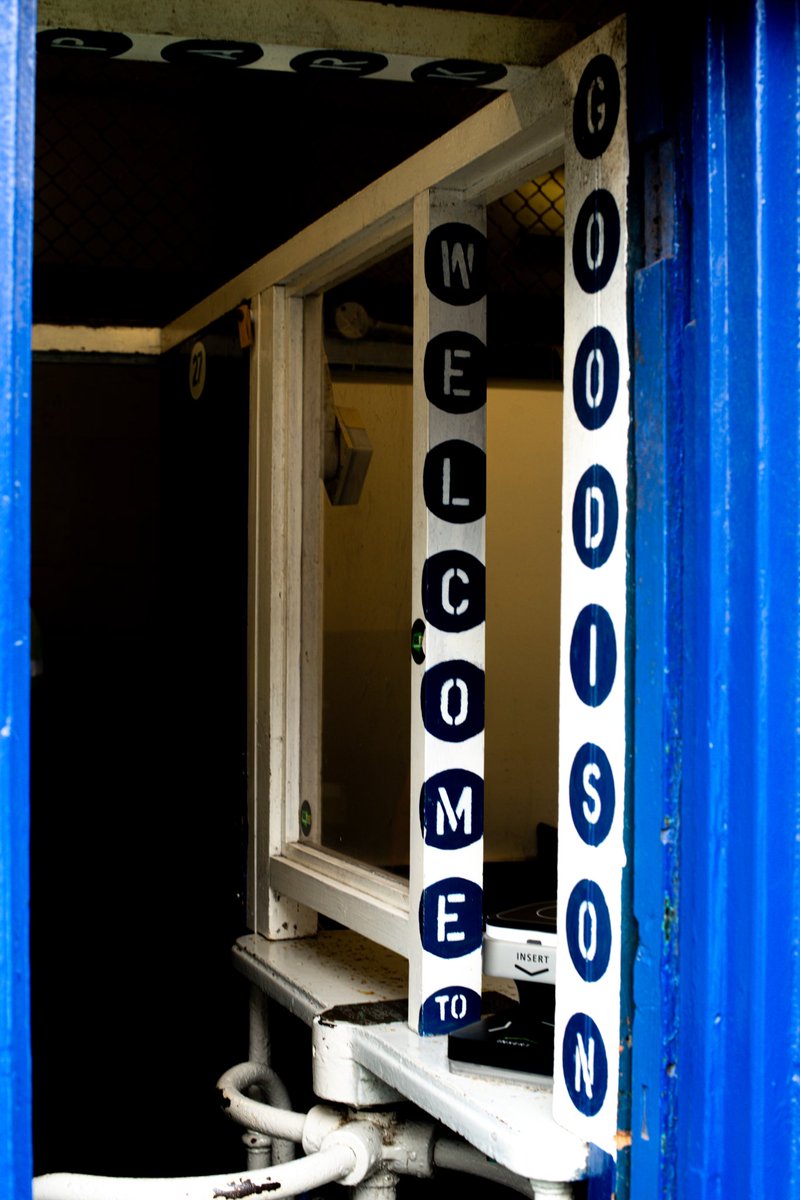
x=153 y=188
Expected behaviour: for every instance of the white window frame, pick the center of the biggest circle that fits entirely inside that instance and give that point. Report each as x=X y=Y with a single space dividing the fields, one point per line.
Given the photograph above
x=517 y=137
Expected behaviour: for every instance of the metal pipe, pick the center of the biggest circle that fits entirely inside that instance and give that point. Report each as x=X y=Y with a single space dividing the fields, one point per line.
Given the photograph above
x=381 y=1185
x=261 y=1150
x=289 y=1179
x=259 y=1049
x=263 y=1118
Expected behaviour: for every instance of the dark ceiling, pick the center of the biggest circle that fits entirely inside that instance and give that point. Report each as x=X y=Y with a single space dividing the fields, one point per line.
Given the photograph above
x=155 y=183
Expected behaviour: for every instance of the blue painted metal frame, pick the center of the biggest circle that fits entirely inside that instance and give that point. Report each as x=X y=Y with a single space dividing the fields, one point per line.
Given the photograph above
x=739 y=1050
x=716 y=1057
x=17 y=24
x=657 y=707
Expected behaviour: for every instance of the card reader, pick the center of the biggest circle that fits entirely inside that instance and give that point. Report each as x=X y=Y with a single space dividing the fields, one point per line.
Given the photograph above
x=517 y=1042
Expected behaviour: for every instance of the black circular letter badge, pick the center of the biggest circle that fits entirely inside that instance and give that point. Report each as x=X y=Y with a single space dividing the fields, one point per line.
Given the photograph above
x=595 y=378
x=204 y=53
x=452 y=700
x=455 y=371
x=454 y=481
x=455 y=263
x=92 y=43
x=595 y=515
x=593 y=655
x=342 y=62
x=594 y=117
x=595 y=243
x=464 y=71
x=454 y=591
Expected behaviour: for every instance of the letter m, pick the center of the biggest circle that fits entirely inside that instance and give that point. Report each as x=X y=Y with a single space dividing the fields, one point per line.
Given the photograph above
x=462 y=812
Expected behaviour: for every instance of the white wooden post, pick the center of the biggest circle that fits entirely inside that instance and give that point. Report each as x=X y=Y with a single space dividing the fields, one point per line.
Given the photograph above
x=273 y=608
x=448 y=581
x=593 y=598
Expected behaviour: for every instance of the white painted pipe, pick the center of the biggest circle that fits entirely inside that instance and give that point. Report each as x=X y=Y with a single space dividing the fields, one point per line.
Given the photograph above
x=262 y=1151
x=264 y=1118
x=289 y=1179
x=259 y=1048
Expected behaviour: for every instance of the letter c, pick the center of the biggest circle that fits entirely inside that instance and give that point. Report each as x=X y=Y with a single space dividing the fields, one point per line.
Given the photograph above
x=596 y=106
x=447 y=579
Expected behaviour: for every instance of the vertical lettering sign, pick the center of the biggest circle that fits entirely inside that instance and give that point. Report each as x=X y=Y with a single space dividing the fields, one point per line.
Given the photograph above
x=448 y=574
x=593 y=605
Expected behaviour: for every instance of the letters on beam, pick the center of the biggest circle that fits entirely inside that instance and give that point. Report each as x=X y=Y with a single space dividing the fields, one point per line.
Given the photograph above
x=593 y=601
x=448 y=580
x=224 y=55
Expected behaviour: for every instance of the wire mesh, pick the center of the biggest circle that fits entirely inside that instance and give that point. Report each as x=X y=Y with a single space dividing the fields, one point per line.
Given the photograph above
x=516 y=223
x=110 y=194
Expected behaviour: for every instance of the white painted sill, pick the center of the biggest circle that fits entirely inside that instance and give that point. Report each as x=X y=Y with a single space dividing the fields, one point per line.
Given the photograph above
x=507 y=1121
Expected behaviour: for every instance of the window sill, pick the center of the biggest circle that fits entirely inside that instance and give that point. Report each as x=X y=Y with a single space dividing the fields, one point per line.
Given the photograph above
x=509 y=1122
x=369 y=901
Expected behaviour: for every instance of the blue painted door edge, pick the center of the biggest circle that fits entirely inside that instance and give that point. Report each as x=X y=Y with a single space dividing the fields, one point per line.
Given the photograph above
x=17 y=26
x=739 y=1004
x=657 y=707
x=716 y=1044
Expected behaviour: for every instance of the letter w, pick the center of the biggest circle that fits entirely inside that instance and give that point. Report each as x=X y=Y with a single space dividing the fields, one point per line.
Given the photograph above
x=463 y=810
x=454 y=260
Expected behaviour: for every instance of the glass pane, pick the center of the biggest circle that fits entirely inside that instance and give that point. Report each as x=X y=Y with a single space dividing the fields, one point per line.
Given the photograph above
x=367 y=619
x=367 y=549
x=366 y=647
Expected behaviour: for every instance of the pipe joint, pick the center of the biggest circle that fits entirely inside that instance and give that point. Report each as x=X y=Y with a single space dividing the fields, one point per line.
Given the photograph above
x=321 y=1120
x=410 y=1151
x=366 y=1144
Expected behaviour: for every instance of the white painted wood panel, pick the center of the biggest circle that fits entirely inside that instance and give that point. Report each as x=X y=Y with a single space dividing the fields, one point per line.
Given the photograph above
x=449 y=598
x=594 y=583
x=273 y=554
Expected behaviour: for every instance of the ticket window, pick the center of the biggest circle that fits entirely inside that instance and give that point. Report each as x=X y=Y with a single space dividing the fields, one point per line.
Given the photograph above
x=340 y=690
x=367 y=577
x=368 y=619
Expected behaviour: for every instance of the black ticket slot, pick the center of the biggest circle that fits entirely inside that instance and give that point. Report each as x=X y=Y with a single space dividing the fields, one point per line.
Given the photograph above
x=515 y=1040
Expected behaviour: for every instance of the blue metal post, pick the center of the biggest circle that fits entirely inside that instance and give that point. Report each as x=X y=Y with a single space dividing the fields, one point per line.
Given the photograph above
x=17 y=21
x=658 y=689
x=739 y=1052
x=716 y=1073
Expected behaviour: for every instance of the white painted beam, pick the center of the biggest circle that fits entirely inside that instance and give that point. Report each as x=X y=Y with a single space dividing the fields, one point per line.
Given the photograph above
x=331 y=24
x=83 y=339
x=448 y=595
x=519 y=135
